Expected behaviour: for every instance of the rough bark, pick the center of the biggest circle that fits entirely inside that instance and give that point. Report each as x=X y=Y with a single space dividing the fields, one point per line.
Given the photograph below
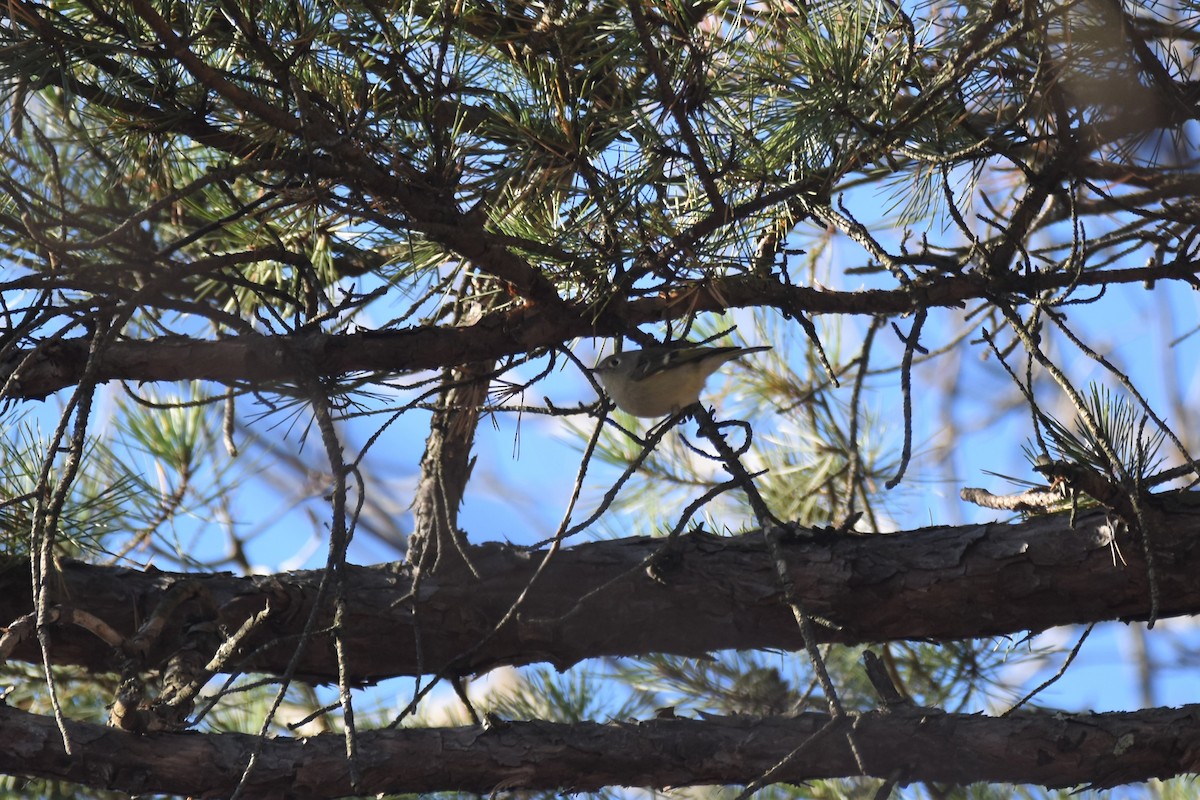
x=705 y=593
x=904 y=745
x=261 y=360
x=447 y=462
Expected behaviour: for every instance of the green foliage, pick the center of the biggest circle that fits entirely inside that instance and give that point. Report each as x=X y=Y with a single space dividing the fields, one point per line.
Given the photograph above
x=97 y=508
x=1120 y=429
x=540 y=171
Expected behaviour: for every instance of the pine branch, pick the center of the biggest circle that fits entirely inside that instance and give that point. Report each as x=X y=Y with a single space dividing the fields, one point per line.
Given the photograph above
x=929 y=584
x=256 y=359
x=904 y=745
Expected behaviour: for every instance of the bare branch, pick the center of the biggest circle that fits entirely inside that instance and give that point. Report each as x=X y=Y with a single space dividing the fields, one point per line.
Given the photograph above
x=939 y=576
x=1050 y=749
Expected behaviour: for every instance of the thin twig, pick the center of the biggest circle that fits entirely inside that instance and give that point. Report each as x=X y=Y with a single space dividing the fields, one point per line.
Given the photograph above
x=1061 y=671
x=911 y=345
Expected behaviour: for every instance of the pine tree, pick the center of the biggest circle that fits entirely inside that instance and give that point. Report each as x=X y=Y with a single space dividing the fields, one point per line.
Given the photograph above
x=257 y=251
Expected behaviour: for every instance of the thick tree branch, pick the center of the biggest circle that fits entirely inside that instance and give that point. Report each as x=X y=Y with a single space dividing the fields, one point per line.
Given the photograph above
x=708 y=593
x=1056 y=750
x=260 y=360
x=447 y=463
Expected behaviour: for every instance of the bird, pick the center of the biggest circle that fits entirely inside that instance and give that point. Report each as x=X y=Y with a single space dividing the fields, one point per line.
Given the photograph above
x=662 y=380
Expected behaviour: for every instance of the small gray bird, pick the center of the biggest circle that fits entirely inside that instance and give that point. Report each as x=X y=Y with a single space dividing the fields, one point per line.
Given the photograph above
x=662 y=380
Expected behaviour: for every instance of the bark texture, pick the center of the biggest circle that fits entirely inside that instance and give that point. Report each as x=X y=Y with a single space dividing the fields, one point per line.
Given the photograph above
x=259 y=359
x=704 y=593
x=1055 y=750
